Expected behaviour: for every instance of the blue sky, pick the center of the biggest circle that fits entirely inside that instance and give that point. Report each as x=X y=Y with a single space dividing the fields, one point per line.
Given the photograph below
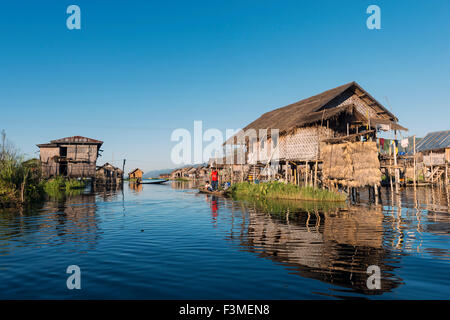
x=137 y=70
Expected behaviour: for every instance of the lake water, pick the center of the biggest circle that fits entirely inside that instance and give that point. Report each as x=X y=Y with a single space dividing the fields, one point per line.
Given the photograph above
x=169 y=242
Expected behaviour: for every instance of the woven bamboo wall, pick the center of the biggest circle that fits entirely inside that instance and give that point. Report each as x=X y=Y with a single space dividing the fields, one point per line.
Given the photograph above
x=303 y=143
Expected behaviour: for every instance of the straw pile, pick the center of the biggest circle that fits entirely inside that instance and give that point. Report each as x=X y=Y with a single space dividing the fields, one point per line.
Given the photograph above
x=353 y=164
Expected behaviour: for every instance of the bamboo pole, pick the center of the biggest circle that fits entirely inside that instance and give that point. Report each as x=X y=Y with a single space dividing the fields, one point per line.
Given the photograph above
x=397 y=174
x=390 y=165
x=306 y=174
x=414 y=146
x=315 y=174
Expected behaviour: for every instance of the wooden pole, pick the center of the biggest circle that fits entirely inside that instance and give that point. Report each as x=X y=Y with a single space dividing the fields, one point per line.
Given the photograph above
x=431 y=164
x=306 y=173
x=446 y=174
x=390 y=165
x=414 y=146
x=397 y=175
x=286 y=172
x=315 y=174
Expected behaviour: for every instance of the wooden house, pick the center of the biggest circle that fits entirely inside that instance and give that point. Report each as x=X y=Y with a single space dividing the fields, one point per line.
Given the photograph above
x=295 y=134
x=74 y=157
x=435 y=152
x=108 y=173
x=136 y=174
x=177 y=174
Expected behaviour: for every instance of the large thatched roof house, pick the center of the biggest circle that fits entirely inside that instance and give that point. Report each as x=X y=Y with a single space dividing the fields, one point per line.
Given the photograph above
x=302 y=132
x=347 y=110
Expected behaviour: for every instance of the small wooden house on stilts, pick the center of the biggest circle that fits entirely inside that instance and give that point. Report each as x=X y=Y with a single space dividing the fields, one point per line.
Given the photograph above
x=329 y=138
x=435 y=148
x=73 y=157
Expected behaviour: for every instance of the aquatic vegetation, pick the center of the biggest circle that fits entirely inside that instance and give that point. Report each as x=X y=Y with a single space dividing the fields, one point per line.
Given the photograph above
x=19 y=179
x=282 y=206
x=279 y=190
x=60 y=183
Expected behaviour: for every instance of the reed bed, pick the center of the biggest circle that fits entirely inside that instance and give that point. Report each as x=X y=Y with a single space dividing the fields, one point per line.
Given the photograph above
x=278 y=190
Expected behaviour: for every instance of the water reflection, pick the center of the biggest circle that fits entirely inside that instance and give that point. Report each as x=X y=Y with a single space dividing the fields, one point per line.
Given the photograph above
x=136 y=187
x=69 y=220
x=335 y=243
x=184 y=185
x=189 y=233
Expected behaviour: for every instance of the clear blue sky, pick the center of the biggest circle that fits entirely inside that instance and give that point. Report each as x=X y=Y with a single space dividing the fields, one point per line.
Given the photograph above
x=139 y=69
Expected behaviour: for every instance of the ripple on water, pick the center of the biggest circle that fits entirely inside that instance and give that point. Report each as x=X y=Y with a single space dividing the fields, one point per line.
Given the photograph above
x=169 y=242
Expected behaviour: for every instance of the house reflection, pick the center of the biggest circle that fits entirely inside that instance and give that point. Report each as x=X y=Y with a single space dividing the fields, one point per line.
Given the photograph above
x=334 y=245
x=69 y=220
x=136 y=187
x=183 y=185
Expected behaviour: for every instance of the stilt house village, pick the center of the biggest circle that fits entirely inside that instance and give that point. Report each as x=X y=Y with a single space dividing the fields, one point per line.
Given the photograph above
x=330 y=140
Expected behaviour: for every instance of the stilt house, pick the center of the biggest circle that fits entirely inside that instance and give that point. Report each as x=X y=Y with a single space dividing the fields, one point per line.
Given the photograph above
x=74 y=157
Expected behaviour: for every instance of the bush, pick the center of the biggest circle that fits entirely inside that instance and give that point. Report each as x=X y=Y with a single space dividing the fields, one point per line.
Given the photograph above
x=20 y=181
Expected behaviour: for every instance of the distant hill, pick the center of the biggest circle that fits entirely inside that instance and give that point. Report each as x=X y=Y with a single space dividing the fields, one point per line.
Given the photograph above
x=156 y=173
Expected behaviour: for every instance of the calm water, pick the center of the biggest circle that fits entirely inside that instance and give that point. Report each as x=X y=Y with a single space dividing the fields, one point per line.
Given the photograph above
x=168 y=242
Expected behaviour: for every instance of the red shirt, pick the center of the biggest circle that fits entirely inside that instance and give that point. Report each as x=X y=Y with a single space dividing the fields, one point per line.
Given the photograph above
x=214 y=176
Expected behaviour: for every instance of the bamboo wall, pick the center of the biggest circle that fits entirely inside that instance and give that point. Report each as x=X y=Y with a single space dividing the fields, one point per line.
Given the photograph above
x=300 y=145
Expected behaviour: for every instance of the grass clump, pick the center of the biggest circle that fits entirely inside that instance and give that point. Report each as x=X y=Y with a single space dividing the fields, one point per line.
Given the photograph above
x=56 y=187
x=279 y=190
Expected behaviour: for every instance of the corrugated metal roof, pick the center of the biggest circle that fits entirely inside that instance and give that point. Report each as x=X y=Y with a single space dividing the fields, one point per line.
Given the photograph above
x=77 y=140
x=434 y=141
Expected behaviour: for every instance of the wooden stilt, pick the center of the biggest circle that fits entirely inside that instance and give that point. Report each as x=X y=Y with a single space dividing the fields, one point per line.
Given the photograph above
x=315 y=174
x=390 y=165
x=306 y=173
x=414 y=146
x=397 y=174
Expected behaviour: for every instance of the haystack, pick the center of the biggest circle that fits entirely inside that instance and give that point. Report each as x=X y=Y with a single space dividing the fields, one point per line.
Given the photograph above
x=353 y=164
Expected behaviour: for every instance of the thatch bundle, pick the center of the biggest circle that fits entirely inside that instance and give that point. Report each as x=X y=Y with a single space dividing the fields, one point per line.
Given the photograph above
x=353 y=164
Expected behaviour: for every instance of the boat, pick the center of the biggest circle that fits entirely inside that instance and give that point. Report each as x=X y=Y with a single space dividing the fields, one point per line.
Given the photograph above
x=214 y=193
x=152 y=182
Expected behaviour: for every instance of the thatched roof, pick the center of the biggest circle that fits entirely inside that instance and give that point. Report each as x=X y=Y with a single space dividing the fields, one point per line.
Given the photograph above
x=314 y=109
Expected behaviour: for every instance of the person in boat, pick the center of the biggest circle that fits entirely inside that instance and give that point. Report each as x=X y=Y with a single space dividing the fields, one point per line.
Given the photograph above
x=214 y=179
x=208 y=186
x=226 y=185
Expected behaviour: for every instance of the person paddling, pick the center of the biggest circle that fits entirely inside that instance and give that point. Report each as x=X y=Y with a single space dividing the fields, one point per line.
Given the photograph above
x=214 y=179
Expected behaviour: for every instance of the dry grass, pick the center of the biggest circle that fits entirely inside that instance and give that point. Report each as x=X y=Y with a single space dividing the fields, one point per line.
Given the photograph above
x=353 y=164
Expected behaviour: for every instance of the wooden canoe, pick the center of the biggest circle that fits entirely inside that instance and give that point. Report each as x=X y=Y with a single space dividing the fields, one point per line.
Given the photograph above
x=152 y=182
x=214 y=193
